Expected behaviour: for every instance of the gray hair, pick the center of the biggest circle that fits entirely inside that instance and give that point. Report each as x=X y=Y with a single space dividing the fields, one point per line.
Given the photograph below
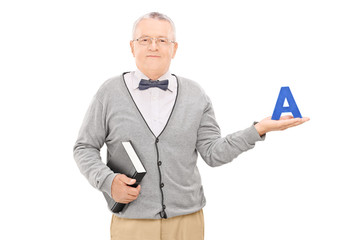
x=157 y=16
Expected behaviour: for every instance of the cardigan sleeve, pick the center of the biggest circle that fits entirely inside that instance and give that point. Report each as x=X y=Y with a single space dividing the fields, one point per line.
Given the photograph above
x=90 y=140
x=217 y=150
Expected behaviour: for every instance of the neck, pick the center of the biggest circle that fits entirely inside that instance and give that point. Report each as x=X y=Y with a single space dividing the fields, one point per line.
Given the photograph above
x=153 y=75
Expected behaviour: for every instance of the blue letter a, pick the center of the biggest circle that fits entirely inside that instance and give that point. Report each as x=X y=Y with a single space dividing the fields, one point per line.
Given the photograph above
x=285 y=93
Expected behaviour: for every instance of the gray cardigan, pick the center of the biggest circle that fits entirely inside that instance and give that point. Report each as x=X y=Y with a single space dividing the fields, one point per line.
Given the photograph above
x=172 y=185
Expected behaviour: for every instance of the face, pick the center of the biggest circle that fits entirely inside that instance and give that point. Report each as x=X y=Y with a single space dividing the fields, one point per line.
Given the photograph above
x=153 y=59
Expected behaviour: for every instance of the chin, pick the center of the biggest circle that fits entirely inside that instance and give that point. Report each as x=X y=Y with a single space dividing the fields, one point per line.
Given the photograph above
x=154 y=65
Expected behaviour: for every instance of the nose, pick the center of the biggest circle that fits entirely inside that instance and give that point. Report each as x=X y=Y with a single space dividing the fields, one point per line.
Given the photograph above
x=153 y=45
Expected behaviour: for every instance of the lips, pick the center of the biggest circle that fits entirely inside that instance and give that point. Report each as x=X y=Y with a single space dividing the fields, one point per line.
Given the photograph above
x=153 y=56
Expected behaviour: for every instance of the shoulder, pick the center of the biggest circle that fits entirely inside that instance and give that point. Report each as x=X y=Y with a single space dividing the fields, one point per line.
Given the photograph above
x=110 y=87
x=192 y=88
x=190 y=84
x=187 y=81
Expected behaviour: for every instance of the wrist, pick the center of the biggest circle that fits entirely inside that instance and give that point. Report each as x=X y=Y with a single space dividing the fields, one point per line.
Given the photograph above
x=259 y=128
x=107 y=184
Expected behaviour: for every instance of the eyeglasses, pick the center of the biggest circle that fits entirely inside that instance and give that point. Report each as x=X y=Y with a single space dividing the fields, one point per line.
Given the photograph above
x=159 y=41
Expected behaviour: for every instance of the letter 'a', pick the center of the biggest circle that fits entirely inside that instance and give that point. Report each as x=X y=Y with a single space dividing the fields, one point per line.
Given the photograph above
x=285 y=93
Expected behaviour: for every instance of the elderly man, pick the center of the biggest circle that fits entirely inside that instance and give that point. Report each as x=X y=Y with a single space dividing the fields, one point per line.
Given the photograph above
x=169 y=120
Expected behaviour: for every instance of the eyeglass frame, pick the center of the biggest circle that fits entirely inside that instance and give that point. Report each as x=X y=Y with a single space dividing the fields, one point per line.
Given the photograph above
x=154 y=38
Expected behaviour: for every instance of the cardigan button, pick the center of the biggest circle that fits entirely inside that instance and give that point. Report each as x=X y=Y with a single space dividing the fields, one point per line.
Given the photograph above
x=163 y=214
x=162 y=185
x=157 y=140
x=159 y=163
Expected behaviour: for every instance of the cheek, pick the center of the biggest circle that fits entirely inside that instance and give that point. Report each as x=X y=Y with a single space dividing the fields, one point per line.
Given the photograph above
x=168 y=54
x=139 y=55
x=173 y=52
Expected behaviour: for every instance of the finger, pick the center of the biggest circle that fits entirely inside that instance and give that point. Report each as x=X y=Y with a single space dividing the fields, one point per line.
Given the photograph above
x=294 y=124
x=134 y=191
x=290 y=121
x=298 y=122
x=301 y=120
x=284 y=124
x=126 y=180
x=305 y=119
x=131 y=197
x=286 y=117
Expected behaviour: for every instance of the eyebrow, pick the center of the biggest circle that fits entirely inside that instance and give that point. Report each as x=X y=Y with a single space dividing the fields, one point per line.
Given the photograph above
x=161 y=36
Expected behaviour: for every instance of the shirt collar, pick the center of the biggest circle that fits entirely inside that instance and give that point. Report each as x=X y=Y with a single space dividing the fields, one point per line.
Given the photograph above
x=138 y=75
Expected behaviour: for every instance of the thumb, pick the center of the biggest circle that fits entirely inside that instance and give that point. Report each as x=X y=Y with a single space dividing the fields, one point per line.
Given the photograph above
x=126 y=180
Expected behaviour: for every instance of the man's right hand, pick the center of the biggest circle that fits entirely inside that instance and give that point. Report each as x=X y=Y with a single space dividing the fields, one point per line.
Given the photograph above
x=121 y=192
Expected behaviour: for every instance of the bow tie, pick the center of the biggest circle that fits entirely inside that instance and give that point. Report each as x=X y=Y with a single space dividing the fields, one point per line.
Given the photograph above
x=145 y=84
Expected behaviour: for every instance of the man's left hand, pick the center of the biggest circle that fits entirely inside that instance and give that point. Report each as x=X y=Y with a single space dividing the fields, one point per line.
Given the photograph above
x=267 y=125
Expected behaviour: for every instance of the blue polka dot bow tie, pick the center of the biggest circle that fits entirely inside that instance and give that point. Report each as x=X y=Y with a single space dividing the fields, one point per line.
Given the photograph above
x=145 y=84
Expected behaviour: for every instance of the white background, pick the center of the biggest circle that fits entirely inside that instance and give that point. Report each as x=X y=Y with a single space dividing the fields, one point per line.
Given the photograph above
x=303 y=183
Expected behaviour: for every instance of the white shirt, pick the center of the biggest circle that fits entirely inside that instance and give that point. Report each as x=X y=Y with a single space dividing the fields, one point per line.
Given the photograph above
x=154 y=103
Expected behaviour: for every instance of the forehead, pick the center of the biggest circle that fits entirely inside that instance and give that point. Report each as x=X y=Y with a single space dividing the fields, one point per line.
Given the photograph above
x=154 y=28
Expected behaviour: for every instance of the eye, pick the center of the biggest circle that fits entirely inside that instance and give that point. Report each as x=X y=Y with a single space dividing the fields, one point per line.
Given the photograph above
x=163 y=40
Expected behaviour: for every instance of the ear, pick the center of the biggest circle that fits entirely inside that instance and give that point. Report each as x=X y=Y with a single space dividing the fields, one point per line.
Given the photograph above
x=174 y=50
x=132 y=47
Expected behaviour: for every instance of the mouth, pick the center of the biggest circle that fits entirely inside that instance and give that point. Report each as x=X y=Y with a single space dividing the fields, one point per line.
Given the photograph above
x=153 y=56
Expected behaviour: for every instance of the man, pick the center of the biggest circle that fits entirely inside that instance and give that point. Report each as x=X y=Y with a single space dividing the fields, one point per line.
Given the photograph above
x=168 y=119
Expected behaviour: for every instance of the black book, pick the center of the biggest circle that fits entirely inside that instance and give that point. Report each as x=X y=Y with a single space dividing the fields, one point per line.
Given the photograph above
x=127 y=162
